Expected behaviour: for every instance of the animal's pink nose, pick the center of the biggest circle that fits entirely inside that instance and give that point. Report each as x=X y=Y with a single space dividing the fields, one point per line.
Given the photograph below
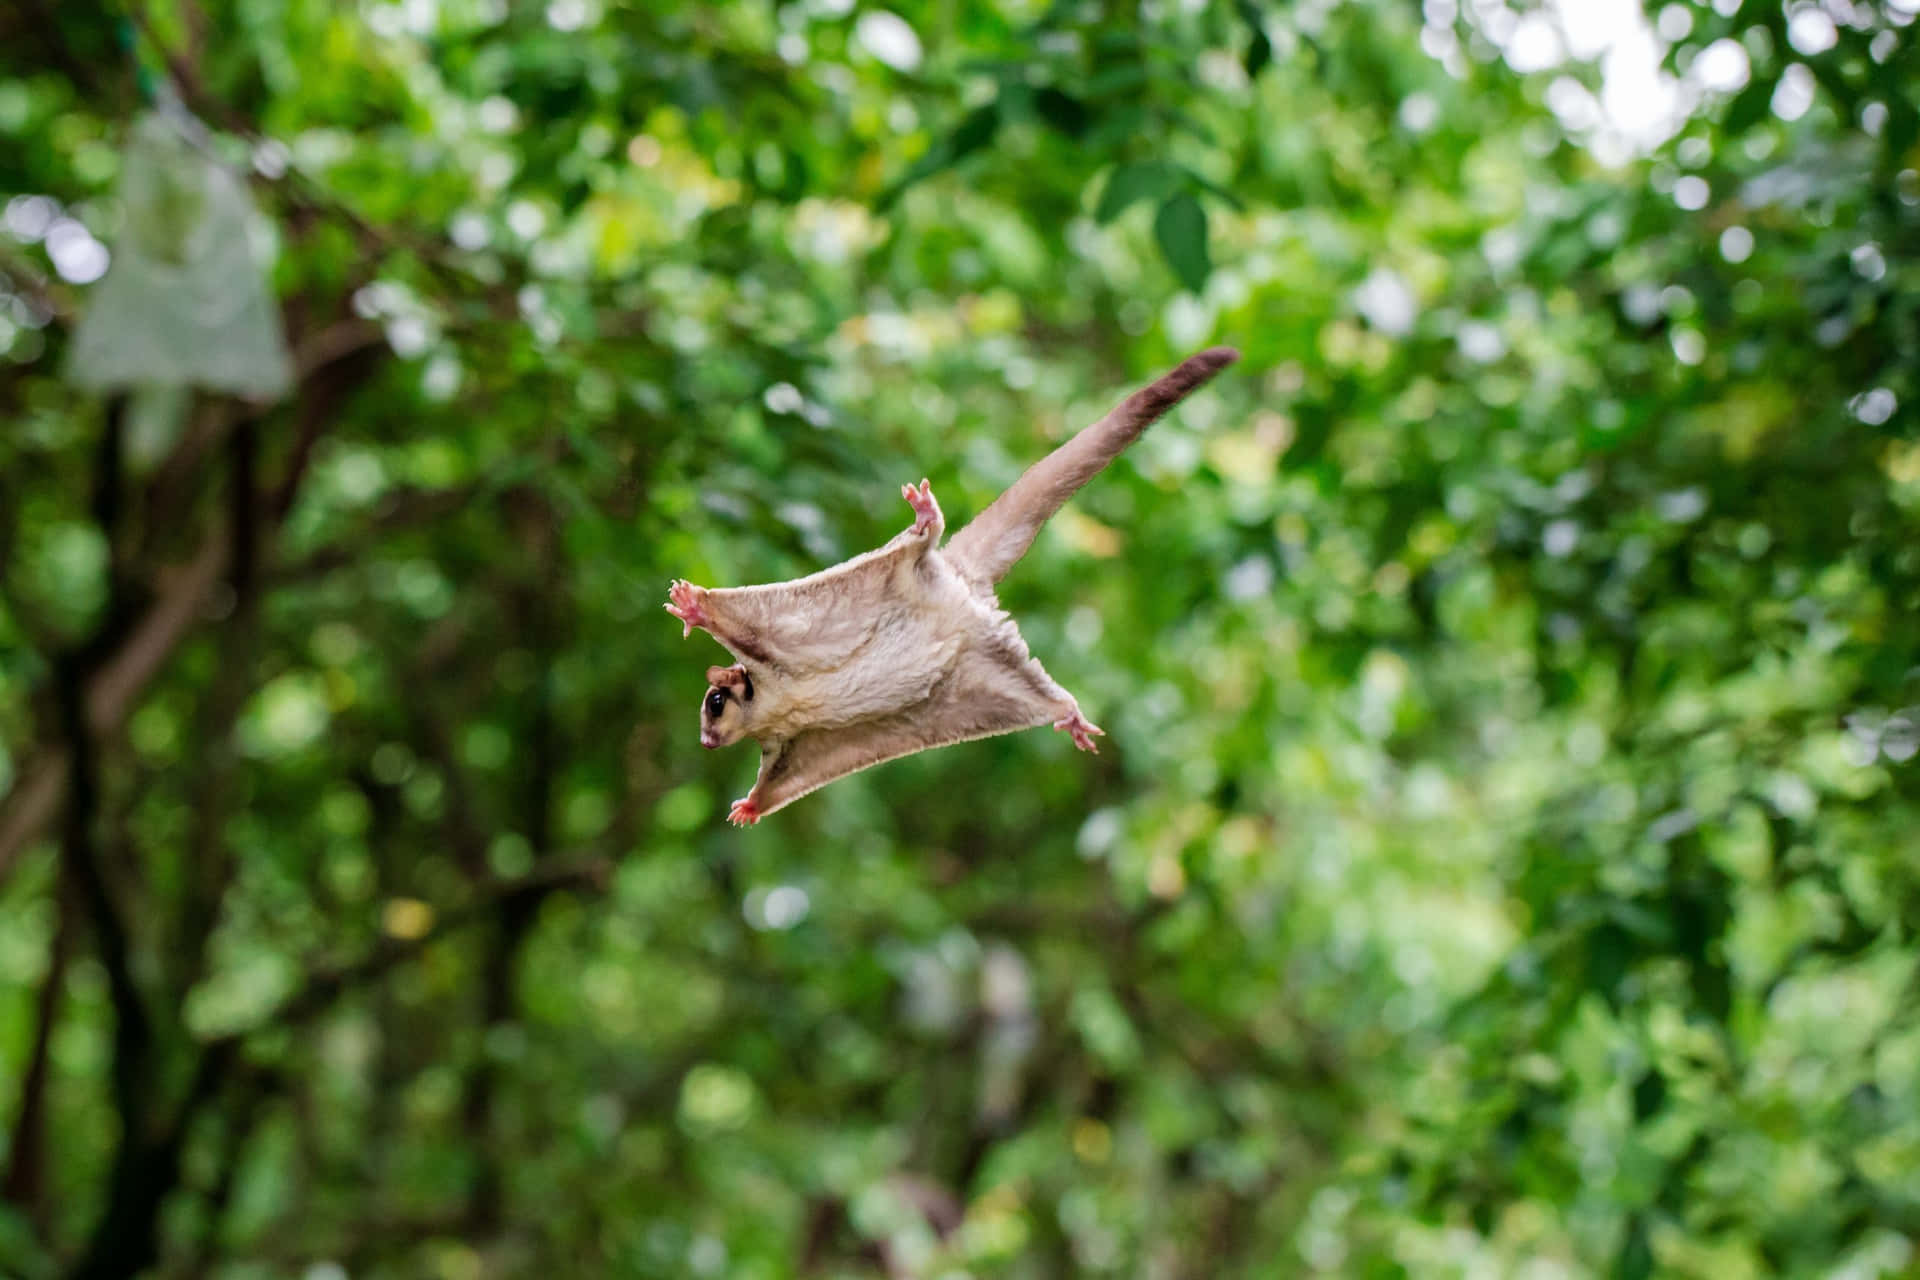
x=708 y=742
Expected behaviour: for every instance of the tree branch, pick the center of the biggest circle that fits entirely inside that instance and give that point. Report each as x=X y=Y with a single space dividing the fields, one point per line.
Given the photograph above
x=30 y=805
x=180 y=598
x=319 y=405
x=148 y=1167
x=254 y=1088
x=589 y=873
x=207 y=877
x=400 y=510
x=499 y=997
x=26 y=1168
x=80 y=854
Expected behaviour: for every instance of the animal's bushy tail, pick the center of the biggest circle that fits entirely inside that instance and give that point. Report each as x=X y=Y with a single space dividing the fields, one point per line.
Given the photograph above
x=994 y=540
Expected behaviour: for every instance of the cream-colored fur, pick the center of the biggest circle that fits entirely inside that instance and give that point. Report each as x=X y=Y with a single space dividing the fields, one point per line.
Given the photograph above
x=906 y=647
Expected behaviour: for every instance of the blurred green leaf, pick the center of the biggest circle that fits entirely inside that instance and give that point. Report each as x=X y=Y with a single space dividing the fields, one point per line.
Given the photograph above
x=1750 y=106
x=1129 y=183
x=1063 y=111
x=973 y=132
x=1180 y=229
x=1259 y=46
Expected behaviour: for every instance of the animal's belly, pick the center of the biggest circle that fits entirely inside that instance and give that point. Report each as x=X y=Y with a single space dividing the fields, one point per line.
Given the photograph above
x=899 y=666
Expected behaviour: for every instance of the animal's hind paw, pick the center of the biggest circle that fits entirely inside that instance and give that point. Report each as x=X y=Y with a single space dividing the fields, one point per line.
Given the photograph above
x=926 y=508
x=1081 y=730
x=744 y=812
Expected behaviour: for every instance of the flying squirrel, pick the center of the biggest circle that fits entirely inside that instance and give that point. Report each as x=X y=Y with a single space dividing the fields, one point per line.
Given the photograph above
x=904 y=647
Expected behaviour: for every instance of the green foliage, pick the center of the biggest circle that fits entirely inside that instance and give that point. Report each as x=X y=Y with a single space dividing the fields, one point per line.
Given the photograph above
x=1181 y=230
x=1503 y=858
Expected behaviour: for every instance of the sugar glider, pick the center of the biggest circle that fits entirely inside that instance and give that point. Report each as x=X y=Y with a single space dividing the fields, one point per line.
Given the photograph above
x=905 y=647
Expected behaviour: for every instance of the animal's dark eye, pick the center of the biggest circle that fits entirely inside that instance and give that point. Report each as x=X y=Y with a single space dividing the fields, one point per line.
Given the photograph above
x=716 y=703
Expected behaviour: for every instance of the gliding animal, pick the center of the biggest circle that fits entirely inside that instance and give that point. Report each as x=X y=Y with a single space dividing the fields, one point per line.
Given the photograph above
x=905 y=647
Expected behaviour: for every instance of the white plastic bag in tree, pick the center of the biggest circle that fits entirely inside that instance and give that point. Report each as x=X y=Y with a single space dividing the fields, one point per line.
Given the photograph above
x=185 y=300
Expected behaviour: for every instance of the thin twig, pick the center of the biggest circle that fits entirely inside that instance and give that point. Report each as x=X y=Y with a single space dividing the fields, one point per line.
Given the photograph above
x=591 y=873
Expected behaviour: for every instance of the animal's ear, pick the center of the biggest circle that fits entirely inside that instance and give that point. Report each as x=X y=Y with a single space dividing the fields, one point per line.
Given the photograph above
x=726 y=677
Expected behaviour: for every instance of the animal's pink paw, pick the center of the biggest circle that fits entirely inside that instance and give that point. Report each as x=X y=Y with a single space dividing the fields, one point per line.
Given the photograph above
x=926 y=510
x=1081 y=730
x=684 y=603
x=744 y=812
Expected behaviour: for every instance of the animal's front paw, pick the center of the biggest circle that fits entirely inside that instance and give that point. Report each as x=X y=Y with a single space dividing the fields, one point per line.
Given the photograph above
x=1081 y=730
x=926 y=509
x=744 y=812
x=686 y=602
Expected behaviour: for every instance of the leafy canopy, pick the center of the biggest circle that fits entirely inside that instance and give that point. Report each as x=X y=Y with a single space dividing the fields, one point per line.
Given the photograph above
x=1504 y=859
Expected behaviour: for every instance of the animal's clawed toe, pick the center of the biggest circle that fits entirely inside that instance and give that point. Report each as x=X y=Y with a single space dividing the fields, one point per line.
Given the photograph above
x=1081 y=730
x=744 y=812
x=683 y=602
